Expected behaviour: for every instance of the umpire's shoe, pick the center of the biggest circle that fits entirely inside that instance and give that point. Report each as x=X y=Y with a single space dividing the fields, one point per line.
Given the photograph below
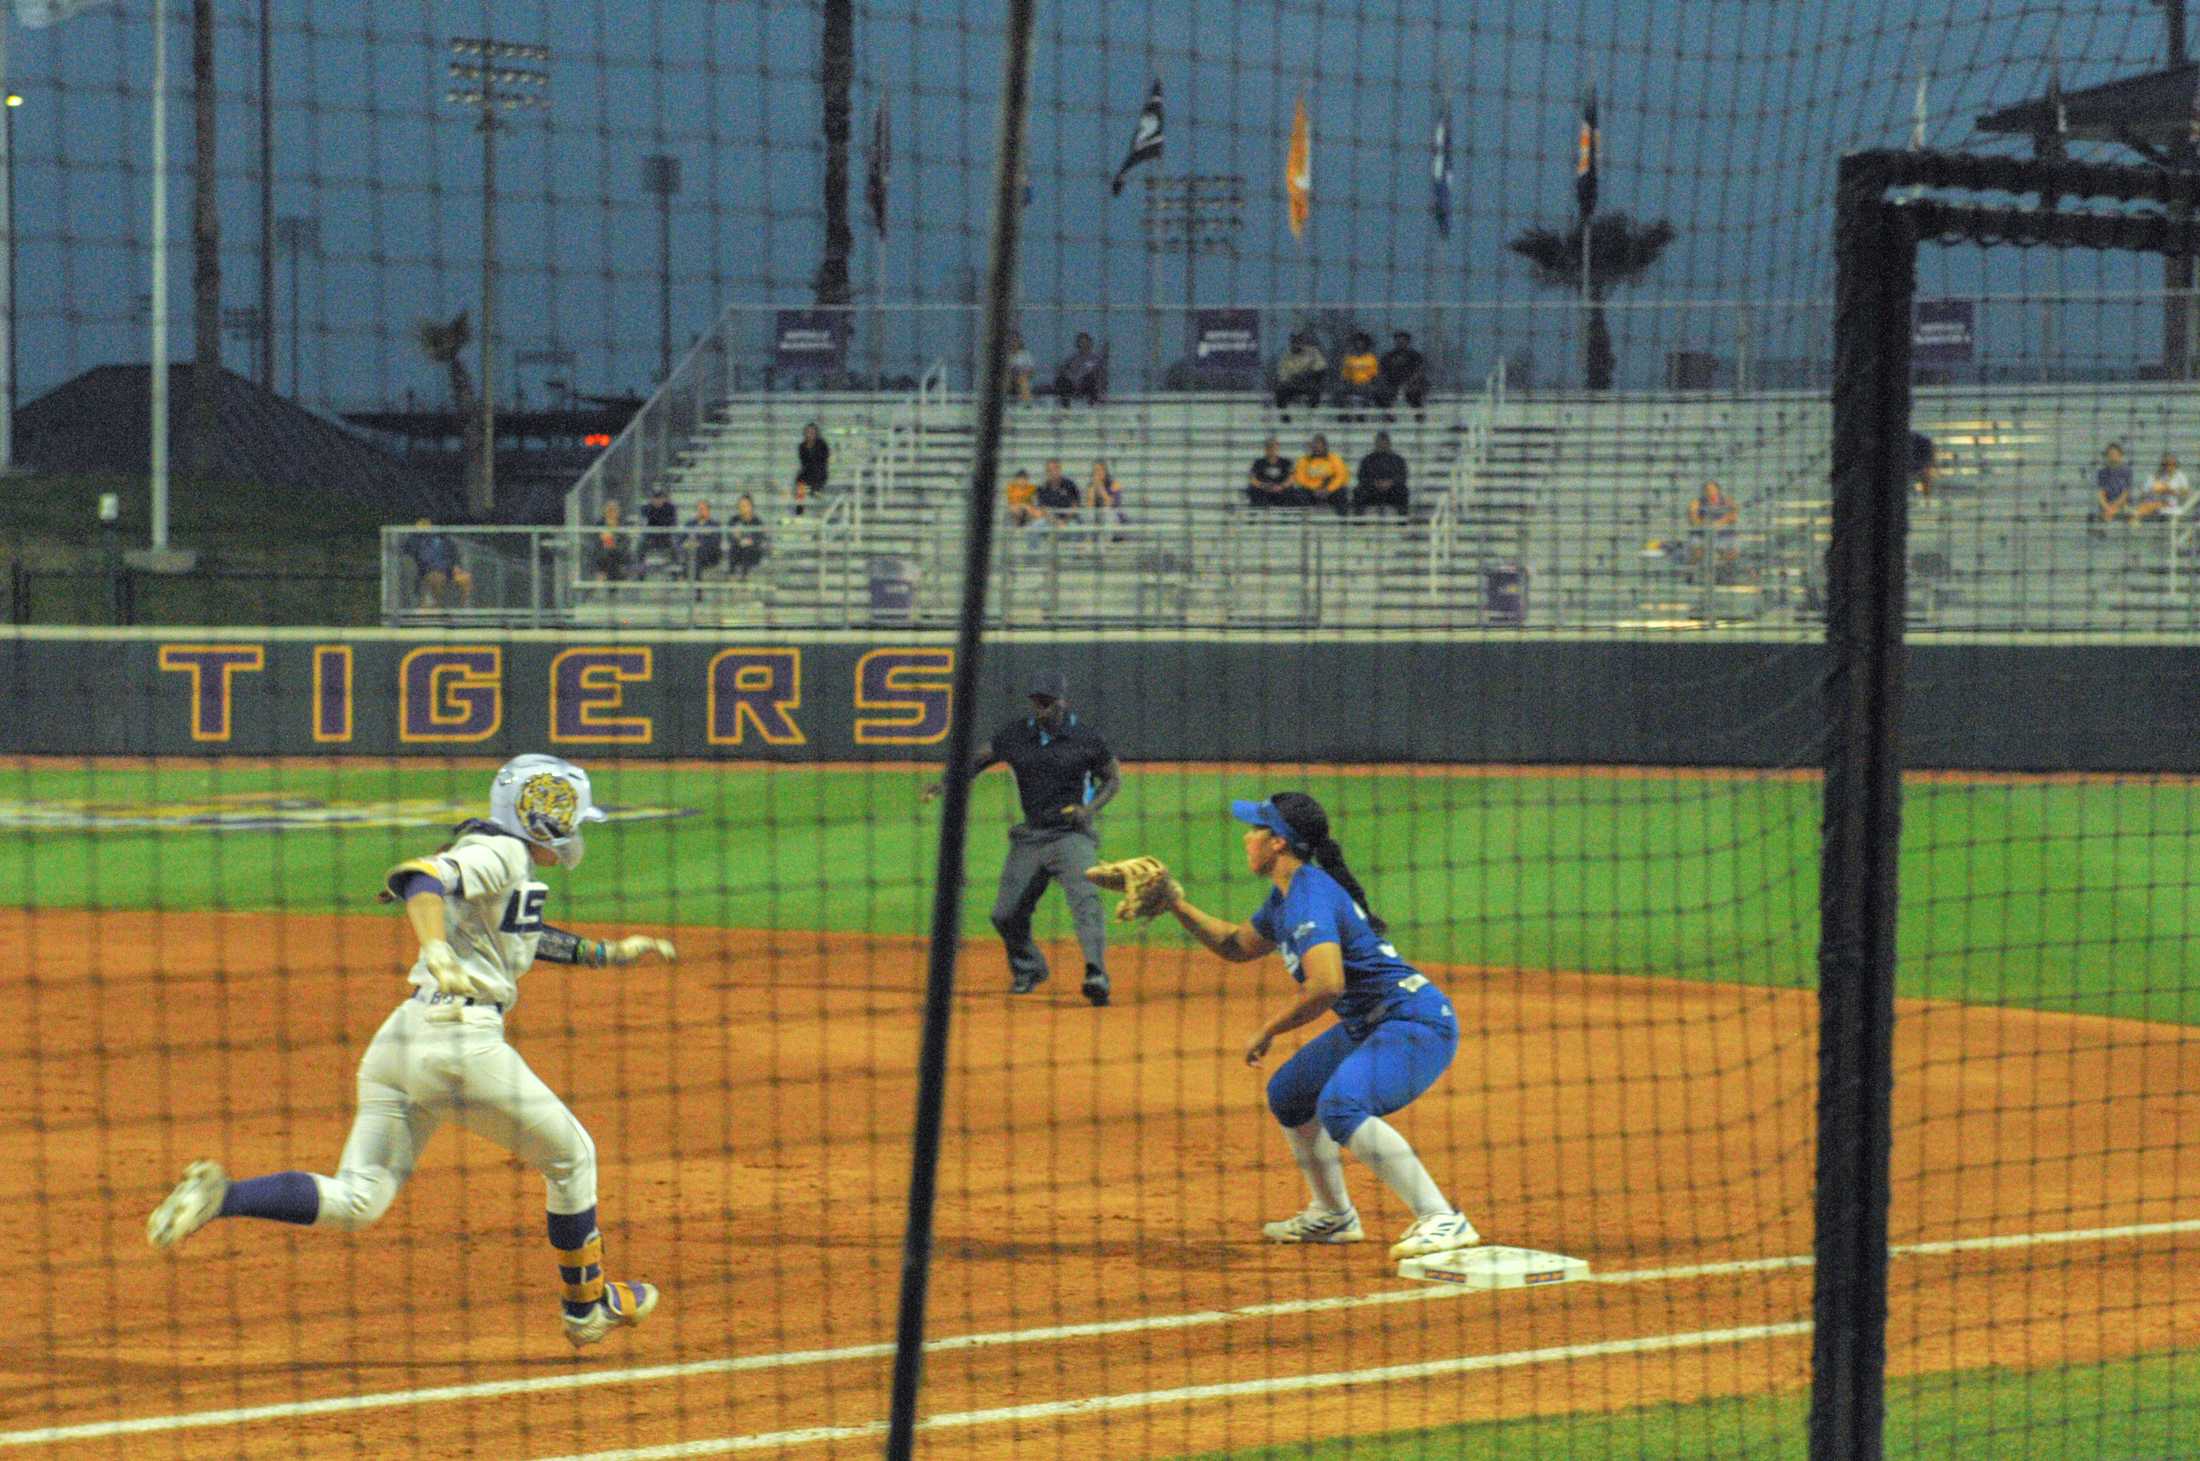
x=1024 y=983
x=1095 y=987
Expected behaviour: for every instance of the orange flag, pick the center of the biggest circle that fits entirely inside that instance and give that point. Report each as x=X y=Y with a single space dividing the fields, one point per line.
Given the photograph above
x=1298 y=171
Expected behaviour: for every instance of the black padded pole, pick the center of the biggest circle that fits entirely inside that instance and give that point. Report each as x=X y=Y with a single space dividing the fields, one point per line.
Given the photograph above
x=1877 y=262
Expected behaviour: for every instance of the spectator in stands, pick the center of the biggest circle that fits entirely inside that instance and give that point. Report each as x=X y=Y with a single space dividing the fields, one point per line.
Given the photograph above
x=441 y=575
x=2169 y=492
x=1104 y=496
x=746 y=538
x=1301 y=374
x=1404 y=373
x=609 y=551
x=1924 y=471
x=1322 y=475
x=1022 y=496
x=705 y=541
x=1021 y=368
x=2112 y=483
x=1084 y=373
x=1268 y=480
x=1714 y=515
x=1382 y=479
x=1359 y=373
x=816 y=457
x=660 y=548
x=1057 y=497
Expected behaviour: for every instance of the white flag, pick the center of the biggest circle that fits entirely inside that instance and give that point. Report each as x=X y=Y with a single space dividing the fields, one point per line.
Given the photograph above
x=38 y=14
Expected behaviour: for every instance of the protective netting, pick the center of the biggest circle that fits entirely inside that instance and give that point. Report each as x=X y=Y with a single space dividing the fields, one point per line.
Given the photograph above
x=1530 y=595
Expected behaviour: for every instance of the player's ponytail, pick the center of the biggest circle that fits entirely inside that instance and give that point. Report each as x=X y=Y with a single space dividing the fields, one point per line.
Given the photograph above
x=1310 y=823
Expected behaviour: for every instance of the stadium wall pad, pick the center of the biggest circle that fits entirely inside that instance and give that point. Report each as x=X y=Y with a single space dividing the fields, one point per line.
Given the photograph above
x=2011 y=704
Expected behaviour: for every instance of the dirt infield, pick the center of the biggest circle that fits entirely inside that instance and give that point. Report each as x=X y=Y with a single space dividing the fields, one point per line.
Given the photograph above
x=1103 y=1168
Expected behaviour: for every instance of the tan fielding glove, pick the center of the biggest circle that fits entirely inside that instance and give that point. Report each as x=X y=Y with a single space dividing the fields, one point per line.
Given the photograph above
x=1148 y=890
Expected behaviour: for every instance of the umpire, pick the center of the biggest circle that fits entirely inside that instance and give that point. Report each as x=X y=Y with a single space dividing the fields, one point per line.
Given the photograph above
x=1065 y=774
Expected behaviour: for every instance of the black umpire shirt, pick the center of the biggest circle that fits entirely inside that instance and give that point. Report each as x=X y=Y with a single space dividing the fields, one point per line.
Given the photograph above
x=1054 y=769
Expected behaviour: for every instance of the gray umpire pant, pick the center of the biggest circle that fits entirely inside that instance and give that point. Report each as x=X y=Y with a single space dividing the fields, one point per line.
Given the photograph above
x=1035 y=856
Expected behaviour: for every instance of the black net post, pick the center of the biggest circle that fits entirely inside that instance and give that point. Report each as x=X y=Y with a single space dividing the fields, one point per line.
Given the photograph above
x=939 y=988
x=1877 y=269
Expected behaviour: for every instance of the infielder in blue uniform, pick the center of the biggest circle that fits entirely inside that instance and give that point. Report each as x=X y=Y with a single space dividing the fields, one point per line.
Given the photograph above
x=1395 y=1031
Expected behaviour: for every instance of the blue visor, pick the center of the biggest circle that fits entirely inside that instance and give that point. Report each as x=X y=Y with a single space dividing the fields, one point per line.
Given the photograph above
x=1264 y=814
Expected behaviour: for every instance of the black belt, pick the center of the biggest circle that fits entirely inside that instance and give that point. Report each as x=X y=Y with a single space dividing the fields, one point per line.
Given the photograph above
x=436 y=996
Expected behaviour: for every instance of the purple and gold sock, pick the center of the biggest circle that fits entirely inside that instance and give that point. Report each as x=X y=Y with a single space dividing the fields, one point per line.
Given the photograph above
x=580 y=1259
x=285 y=1197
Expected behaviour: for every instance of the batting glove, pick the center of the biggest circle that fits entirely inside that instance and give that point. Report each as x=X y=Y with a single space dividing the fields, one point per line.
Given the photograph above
x=450 y=976
x=633 y=950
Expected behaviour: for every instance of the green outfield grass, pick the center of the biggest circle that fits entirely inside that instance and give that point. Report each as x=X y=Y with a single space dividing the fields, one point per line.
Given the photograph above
x=2062 y=896
x=2123 y=1411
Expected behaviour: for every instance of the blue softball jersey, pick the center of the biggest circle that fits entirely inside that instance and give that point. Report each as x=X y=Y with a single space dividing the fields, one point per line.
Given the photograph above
x=1378 y=984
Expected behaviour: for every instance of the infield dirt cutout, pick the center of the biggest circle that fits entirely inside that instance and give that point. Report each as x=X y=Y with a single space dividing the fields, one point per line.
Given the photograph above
x=751 y=1108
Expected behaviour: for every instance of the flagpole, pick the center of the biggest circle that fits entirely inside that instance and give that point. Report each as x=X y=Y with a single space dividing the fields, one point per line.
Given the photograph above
x=1592 y=122
x=157 y=377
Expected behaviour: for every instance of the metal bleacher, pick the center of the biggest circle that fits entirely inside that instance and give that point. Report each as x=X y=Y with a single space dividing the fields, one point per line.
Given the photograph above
x=1577 y=502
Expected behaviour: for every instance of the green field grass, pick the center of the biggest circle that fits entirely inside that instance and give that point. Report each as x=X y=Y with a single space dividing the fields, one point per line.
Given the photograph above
x=2063 y=896
x=2147 y=1407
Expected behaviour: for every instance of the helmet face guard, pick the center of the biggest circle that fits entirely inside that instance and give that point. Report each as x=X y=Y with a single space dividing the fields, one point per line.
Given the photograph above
x=546 y=801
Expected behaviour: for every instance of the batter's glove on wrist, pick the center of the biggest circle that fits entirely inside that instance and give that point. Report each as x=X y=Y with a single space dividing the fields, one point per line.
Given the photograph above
x=450 y=976
x=639 y=947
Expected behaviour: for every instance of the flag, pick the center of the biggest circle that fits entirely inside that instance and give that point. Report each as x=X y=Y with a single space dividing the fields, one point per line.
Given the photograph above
x=38 y=14
x=1145 y=142
x=1439 y=171
x=1917 y=116
x=881 y=162
x=2062 y=112
x=1298 y=171
x=1587 y=143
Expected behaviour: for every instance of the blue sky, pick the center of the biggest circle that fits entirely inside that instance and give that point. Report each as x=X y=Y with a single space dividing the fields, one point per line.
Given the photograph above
x=1725 y=116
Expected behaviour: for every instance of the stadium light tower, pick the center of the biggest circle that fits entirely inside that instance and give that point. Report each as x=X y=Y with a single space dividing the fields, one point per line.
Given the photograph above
x=483 y=80
x=1197 y=213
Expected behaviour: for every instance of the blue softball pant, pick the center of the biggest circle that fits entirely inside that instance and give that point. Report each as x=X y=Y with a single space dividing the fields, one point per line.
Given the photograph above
x=1344 y=1079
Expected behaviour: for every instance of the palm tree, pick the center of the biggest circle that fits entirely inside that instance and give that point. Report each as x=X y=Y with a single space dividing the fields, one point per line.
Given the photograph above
x=444 y=342
x=206 y=246
x=836 y=66
x=1621 y=251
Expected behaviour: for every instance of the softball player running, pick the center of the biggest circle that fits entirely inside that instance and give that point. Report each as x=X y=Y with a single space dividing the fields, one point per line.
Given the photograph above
x=1395 y=1035
x=478 y=912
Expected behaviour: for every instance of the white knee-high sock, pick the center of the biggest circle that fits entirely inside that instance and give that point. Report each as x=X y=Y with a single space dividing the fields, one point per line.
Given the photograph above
x=1378 y=1144
x=1316 y=1154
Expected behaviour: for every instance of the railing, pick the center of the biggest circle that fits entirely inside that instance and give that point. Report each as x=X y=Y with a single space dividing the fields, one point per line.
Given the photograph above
x=899 y=443
x=646 y=449
x=1466 y=475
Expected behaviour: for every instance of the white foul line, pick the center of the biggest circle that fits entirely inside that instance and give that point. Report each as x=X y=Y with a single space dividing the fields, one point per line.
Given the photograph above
x=648 y=1374
x=1195 y=1394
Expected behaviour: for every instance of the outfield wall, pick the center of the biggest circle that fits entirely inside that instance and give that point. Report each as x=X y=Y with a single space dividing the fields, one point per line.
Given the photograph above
x=2005 y=705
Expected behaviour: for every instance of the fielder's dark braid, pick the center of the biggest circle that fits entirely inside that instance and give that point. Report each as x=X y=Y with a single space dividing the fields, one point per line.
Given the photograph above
x=1306 y=818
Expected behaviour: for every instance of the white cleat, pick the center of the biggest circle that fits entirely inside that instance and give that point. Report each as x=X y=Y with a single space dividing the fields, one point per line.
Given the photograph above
x=190 y=1207
x=1315 y=1226
x=1440 y=1234
x=621 y=1304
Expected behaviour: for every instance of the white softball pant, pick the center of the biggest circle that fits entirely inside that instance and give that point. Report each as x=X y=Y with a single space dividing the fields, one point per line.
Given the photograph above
x=424 y=1065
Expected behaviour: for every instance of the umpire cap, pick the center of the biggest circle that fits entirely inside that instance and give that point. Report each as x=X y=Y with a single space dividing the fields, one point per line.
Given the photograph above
x=1052 y=684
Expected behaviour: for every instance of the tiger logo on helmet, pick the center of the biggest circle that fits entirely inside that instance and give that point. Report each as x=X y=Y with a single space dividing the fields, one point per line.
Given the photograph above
x=546 y=800
x=548 y=806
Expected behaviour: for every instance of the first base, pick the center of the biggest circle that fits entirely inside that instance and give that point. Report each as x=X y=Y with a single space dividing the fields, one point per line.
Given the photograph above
x=1495 y=1268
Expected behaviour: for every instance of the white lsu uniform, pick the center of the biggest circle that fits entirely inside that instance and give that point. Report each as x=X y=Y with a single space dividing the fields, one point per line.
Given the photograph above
x=438 y=1056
